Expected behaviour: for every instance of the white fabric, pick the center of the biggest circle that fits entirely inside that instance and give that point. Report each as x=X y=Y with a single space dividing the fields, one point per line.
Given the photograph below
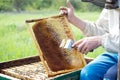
x=108 y=26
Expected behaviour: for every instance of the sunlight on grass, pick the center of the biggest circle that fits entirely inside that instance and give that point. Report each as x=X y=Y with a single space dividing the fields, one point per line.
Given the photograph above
x=15 y=40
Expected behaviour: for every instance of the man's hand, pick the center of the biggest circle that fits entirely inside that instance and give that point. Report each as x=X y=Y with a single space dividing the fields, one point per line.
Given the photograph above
x=68 y=11
x=87 y=44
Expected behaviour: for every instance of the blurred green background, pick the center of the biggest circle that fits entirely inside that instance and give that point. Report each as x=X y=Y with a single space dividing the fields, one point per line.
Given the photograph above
x=15 y=39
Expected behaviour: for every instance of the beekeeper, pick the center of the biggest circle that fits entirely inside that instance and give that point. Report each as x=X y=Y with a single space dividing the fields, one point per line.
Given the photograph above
x=104 y=32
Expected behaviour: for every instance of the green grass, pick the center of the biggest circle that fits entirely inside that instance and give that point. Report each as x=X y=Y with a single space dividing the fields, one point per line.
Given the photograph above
x=15 y=40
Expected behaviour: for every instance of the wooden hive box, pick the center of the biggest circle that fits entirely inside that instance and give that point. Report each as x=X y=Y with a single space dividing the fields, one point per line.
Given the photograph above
x=30 y=68
x=47 y=34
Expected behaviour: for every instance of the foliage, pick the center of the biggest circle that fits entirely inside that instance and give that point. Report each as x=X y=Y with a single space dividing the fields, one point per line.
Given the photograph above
x=31 y=5
x=6 y=5
x=15 y=40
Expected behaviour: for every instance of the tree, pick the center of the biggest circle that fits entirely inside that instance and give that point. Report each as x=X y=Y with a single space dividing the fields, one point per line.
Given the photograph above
x=6 y=5
x=26 y=5
x=19 y=4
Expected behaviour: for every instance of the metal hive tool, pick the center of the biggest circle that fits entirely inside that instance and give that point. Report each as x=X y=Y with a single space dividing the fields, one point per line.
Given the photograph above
x=67 y=44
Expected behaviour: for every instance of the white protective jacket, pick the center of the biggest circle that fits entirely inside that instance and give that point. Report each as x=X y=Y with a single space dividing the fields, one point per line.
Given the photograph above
x=108 y=26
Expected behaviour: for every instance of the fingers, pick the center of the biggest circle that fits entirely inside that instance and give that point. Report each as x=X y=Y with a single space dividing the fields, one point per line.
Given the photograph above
x=80 y=47
x=69 y=4
x=67 y=10
x=75 y=45
x=86 y=51
x=83 y=49
x=63 y=10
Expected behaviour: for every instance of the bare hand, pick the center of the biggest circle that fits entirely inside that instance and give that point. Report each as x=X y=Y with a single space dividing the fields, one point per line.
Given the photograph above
x=68 y=11
x=87 y=44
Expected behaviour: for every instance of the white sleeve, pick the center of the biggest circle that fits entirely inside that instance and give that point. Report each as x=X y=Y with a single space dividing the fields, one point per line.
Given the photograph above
x=108 y=26
x=111 y=42
x=100 y=27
